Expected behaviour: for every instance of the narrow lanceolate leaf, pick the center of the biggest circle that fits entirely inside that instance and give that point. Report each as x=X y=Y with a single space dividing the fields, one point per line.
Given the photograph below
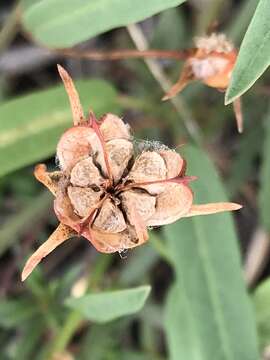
x=209 y=299
x=107 y=306
x=64 y=23
x=254 y=54
x=30 y=126
x=264 y=194
x=261 y=300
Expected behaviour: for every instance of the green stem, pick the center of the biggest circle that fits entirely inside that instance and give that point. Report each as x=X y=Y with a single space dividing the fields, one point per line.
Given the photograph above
x=74 y=318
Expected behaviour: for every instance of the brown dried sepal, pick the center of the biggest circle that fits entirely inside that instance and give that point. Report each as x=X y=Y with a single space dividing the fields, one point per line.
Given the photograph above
x=107 y=194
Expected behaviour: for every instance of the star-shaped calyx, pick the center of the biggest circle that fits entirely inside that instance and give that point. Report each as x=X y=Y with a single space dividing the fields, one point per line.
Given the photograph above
x=109 y=193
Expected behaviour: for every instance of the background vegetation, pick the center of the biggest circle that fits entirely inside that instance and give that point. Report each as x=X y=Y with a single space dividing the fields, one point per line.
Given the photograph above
x=199 y=290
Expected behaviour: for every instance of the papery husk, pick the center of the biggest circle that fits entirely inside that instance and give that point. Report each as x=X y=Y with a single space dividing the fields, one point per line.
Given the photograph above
x=110 y=218
x=86 y=173
x=172 y=204
x=119 y=152
x=76 y=144
x=141 y=201
x=83 y=199
x=112 y=127
x=149 y=166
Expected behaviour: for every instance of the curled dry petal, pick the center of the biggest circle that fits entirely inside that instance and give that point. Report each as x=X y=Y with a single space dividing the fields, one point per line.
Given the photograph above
x=212 y=208
x=61 y=234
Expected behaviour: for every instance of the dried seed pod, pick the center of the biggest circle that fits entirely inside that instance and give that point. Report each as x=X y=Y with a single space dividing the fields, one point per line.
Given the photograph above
x=105 y=193
x=211 y=62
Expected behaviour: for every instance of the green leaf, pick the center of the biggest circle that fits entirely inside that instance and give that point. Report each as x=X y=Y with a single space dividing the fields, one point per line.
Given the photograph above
x=138 y=264
x=242 y=166
x=261 y=300
x=170 y=32
x=64 y=23
x=107 y=306
x=208 y=314
x=254 y=54
x=264 y=193
x=30 y=126
x=15 y=312
x=16 y=224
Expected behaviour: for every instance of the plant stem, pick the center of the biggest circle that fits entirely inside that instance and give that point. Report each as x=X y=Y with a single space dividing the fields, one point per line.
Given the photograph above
x=141 y=43
x=124 y=54
x=74 y=318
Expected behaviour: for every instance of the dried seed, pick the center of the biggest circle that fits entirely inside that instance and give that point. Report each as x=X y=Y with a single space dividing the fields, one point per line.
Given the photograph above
x=112 y=127
x=110 y=218
x=143 y=203
x=83 y=199
x=149 y=166
x=85 y=173
x=115 y=242
x=119 y=151
x=174 y=163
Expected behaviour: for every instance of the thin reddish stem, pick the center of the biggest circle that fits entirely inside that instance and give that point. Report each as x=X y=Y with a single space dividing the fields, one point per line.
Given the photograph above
x=126 y=54
x=95 y=126
x=178 y=179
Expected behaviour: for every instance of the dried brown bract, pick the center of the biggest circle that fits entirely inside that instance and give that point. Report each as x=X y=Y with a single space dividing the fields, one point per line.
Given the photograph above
x=211 y=62
x=106 y=193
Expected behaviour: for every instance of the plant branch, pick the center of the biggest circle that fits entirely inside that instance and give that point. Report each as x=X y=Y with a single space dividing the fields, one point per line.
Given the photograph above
x=141 y=43
x=124 y=54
